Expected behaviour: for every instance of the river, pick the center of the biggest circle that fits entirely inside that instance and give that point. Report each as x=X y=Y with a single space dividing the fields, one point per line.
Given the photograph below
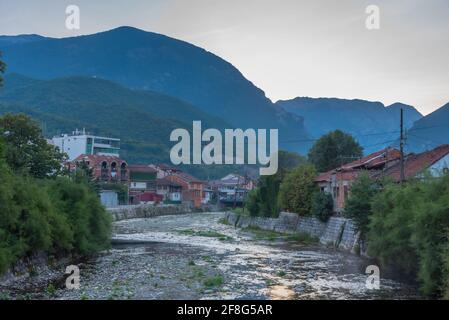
x=197 y=256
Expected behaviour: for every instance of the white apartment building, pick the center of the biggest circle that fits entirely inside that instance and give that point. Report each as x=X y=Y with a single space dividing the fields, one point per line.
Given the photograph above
x=80 y=142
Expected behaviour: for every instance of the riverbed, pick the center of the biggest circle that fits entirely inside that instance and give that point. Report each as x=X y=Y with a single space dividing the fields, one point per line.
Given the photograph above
x=197 y=256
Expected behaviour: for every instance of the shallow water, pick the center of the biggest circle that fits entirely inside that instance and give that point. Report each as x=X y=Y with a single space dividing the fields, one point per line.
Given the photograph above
x=170 y=257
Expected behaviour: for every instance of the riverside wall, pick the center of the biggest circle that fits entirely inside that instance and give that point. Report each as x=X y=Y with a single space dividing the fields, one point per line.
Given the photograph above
x=336 y=232
x=147 y=211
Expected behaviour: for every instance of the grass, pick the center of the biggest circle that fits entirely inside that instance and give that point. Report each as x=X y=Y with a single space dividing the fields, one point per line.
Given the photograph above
x=261 y=234
x=281 y=273
x=214 y=282
x=303 y=238
x=207 y=234
x=224 y=221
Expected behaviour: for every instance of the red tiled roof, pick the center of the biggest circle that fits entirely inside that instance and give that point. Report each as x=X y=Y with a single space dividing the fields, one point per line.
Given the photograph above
x=141 y=168
x=370 y=162
x=416 y=163
x=187 y=177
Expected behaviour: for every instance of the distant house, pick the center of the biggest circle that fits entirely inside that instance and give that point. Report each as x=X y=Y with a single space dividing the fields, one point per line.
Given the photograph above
x=192 y=188
x=164 y=170
x=338 y=181
x=109 y=198
x=232 y=189
x=80 y=142
x=169 y=190
x=142 y=179
x=104 y=168
x=147 y=197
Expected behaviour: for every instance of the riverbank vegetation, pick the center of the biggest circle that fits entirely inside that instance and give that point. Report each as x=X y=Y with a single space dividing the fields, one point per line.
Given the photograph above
x=43 y=208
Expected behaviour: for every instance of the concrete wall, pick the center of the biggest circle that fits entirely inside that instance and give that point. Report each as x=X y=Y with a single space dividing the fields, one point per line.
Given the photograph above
x=146 y=211
x=337 y=232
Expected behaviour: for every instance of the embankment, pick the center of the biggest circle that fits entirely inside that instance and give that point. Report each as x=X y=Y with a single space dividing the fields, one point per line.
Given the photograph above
x=337 y=232
x=146 y=211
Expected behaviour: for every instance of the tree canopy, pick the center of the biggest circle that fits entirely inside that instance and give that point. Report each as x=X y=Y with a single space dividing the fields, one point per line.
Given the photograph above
x=333 y=150
x=26 y=150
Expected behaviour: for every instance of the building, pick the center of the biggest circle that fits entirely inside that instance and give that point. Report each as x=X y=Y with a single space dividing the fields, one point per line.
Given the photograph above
x=164 y=170
x=80 y=142
x=435 y=162
x=147 y=197
x=192 y=188
x=105 y=168
x=338 y=181
x=142 y=179
x=232 y=189
x=384 y=163
x=169 y=190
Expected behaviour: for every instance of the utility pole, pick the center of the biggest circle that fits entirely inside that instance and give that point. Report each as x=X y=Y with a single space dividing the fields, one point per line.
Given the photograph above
x=402 y=146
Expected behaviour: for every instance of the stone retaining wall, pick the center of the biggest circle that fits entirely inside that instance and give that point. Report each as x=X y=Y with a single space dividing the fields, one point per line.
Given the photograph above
x=337 y=232
x=146 y=211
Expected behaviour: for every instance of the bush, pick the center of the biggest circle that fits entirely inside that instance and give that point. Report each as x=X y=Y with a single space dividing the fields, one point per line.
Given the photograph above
x=358 y=205
x=297 y=190
x=51 y=216
x=322 y=206
x=409 y=228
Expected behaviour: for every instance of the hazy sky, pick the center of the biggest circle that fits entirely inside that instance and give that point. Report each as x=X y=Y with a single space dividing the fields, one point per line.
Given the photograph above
x=288 y=48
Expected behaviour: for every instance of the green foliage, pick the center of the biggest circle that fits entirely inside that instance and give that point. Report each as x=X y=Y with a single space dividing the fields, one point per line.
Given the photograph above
x=409 y=229
x=358 y=205
x=263 y=201
x=252 y=202
x=297 y=190
x=55 y=216
x=333 y=150
x=26 y=150
x=322 y=206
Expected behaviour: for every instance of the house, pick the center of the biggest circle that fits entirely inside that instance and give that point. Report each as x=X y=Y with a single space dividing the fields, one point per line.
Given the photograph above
x=435 y=161
x=105 y=168
x=192 y=188
x=142 y=179
x=384 y=163
x=232 y=189
x=338 y=181
x=169 y=190
x=80 y=142
x=164 y=170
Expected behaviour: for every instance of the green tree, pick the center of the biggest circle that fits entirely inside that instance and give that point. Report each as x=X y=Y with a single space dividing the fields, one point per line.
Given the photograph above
x=26 y=150
x=297 y=190
x=358 y=205
x=322 y=206
x=333 y=150
x=252 y=203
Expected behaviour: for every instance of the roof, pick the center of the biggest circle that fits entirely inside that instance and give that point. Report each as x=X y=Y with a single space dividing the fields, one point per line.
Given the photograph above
x=141 y=168
x=416 y=163
x=164 y=167
x=95 y=158
x=166 y=182
x=187 y=177
x=373 y=161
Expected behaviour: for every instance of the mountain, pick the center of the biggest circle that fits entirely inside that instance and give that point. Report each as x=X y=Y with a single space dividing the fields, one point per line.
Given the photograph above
x=143 y=120
x=372 y=124
x=430 y=131
x=148 y=61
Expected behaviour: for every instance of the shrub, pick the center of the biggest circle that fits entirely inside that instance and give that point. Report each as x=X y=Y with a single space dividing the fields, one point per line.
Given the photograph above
x=322 y=206
x=297 y=190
